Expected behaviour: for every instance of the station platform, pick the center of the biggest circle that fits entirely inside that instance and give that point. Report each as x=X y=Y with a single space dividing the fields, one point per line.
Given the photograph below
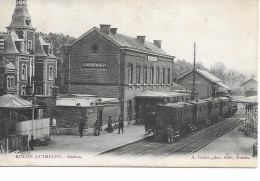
x=91 y=144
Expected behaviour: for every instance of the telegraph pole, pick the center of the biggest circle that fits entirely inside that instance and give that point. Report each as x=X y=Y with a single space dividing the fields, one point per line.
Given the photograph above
x=194 y=71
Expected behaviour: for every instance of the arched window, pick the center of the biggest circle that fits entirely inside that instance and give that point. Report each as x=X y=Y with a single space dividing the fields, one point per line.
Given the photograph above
x=145 y=75
x=51 y=73
x=152 y=75
x=23 y=92
x=10 y=82
x=169 y=76
x=130 y=74
x=138 y=74
x=158 y=75
x=24 y=71
x=163 y=76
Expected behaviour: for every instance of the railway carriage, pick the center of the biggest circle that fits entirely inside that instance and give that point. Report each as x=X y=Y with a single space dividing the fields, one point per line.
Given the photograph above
x=224 y=107
x=169 y=121
x=200 y=112
x=213 y=109
x=173 y=120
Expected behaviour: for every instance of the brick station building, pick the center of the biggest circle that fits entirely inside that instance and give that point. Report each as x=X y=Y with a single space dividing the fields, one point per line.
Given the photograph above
x=108 y=64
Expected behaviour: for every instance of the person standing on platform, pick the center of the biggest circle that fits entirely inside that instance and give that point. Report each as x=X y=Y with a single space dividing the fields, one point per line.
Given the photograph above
x=96 y=128
x=81 y=128
x=109 y=127
x=54 y=125
x=121 y=125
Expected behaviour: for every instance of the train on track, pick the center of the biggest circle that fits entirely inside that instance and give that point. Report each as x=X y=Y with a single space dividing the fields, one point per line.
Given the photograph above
x=169 y=121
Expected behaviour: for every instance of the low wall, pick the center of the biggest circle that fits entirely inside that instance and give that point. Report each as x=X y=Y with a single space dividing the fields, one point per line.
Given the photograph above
x=86 y=132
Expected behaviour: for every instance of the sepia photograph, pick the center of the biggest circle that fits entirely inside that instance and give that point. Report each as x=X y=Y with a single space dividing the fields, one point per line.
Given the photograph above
x=134 y=83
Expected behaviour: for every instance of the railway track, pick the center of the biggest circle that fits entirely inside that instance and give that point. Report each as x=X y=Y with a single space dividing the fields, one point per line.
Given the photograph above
x=199 y=143
x=184 y=146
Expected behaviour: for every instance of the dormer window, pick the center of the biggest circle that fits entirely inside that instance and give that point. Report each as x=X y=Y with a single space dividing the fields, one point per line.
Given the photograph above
x=51 y=73
x=30 y=46
x=50 y=50
x=24 y=72
x=28 y=22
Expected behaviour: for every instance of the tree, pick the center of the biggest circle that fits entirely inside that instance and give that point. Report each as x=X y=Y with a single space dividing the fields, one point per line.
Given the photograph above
x=218 y=69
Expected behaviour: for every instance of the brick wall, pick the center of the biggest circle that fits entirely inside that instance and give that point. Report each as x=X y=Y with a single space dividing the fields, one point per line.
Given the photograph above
x=69 y=116
x=203 y=86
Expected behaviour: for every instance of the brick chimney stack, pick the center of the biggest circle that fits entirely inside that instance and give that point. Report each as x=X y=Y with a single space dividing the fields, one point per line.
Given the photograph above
x=105 y=28
x=158 y=43
x=113 y=31
x=141 y=38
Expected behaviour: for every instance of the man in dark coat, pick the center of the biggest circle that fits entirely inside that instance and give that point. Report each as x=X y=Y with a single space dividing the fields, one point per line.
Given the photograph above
x=96 y=128
x=109 y=127
x=81 y=128
x=121 y=124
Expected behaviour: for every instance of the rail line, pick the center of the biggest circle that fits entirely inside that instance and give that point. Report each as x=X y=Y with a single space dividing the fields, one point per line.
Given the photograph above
x=146 y=145
x=191 y=147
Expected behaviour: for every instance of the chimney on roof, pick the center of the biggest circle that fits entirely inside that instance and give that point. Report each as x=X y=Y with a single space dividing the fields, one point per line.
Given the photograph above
x=105 y=28
x=158 y=43
x=113 y=31
x=141 y=38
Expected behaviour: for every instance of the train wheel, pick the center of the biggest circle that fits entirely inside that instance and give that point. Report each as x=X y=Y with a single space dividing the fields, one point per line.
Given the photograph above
x=172 y=139
x=169 y=139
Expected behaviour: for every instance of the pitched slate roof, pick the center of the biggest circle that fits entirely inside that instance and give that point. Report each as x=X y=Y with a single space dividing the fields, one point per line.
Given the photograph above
x=205 y=74
x=155 y=94
x=19 y=18
x=10 y=46
x=12 y=101
x=208 y=76
x=252 y=79
x=124 y=41
x=39 y=50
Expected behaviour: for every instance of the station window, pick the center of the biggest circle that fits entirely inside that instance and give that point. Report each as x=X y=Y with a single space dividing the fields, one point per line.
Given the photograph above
x=94 y=48
x=130 y=74
x=158 y=75
x=23 y=93
x=152 y=75
x=10 y=82
x=169 y=76
x=163 y=76
x=24 y=71
x=51 y=73
x=29 y=45
x=138 y=74
x=145 y=75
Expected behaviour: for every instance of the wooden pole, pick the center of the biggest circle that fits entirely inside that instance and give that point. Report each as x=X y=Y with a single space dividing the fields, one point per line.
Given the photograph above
x=194 y=71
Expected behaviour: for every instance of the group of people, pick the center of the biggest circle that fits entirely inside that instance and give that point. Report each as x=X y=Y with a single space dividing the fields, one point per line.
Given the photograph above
x=97 y=126
x=249 y=107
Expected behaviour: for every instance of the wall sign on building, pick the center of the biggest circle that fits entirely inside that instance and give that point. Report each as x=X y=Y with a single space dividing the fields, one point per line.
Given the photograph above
x=94 y=65
x=151 y=58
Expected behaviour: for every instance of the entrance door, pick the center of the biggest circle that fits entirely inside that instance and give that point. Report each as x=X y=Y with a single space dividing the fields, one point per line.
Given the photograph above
x=100 y=115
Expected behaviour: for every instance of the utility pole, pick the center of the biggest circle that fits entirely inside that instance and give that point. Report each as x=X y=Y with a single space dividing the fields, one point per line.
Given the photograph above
x=194 y=71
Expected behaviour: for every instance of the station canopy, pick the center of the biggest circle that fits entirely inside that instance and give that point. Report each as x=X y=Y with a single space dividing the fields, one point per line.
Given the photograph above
x=251 y=99
x=14 y=102
x=157 y=94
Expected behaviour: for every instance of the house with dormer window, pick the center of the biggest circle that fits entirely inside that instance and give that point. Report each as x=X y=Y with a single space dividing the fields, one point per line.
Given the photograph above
x=27 y=61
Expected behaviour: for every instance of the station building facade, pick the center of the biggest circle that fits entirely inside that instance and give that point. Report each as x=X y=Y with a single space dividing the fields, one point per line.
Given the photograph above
x=108 y=64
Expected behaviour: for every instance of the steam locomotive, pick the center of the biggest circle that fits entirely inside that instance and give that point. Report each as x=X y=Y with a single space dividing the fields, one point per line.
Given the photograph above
x=169 y=121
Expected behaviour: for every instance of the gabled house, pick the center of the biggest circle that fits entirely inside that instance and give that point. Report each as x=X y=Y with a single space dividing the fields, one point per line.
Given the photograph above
x=206 y=84
x=250 y=87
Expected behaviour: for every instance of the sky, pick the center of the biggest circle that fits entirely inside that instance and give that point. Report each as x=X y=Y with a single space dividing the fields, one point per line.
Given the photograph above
x=224 y=30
